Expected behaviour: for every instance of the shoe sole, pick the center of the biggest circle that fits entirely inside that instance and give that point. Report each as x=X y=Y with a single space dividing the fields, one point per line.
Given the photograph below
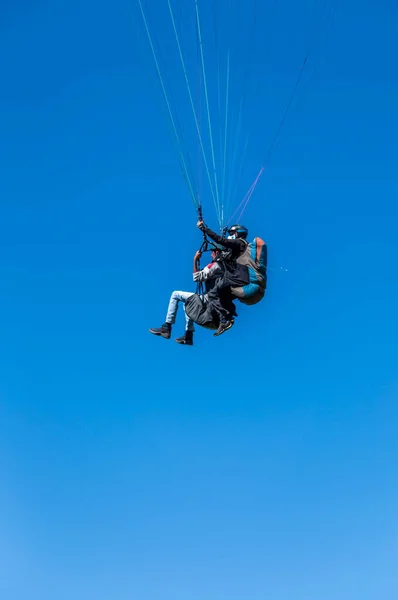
x=224 y=330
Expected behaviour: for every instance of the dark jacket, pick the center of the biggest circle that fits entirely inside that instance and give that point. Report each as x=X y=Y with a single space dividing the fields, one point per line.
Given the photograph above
x=235 y=274
x=237 y=246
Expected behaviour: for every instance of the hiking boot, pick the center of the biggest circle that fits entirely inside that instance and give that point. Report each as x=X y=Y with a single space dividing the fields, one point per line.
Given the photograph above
x=224 y=327
x=164 y=331
x=186 y=339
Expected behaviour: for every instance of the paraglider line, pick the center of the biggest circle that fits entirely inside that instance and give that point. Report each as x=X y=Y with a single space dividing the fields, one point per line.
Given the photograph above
x=277 y=133
x=225 y=142
x=191 y=101
x=199 y=114
x=182 y=159
x=310 y=51
x=233 y=188
x=207 y=104
x=247 y=196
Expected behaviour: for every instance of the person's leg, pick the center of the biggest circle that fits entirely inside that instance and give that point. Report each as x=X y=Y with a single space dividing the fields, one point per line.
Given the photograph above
x=189 y=324
x=220 y=298
x=175 y=298
x=187 y=338
x=227 y=301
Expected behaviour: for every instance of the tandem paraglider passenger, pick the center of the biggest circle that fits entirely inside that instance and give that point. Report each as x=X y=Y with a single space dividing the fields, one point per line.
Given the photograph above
x=207 y=277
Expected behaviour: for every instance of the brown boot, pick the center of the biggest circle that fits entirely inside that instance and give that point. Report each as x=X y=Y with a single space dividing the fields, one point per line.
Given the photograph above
x=163 y=331
x=186 y=339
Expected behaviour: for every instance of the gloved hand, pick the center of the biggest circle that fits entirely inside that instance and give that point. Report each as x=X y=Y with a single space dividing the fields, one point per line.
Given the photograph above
x=201 y=225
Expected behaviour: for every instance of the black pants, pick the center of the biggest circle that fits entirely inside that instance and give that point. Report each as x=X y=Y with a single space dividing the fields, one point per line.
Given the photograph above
x=221 y=297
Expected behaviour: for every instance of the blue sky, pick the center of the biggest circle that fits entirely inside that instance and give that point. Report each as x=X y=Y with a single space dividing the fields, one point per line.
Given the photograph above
x=259 y=464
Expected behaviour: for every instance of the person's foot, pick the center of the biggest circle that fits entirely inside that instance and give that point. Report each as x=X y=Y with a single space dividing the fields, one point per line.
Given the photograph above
x=224 y=327
x=163 y=331
x=186 y=339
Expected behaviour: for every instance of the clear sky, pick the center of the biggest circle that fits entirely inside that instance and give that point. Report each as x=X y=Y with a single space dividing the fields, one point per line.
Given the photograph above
x=261 y=464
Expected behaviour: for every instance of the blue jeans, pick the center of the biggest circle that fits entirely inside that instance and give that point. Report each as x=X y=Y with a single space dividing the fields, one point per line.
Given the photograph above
x=175 y=299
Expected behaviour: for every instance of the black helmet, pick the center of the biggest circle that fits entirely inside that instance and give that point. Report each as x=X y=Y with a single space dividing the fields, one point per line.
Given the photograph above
x=240 y=230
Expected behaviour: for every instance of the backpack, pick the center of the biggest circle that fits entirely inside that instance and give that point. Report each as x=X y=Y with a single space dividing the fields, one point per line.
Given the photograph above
x=255 y=259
